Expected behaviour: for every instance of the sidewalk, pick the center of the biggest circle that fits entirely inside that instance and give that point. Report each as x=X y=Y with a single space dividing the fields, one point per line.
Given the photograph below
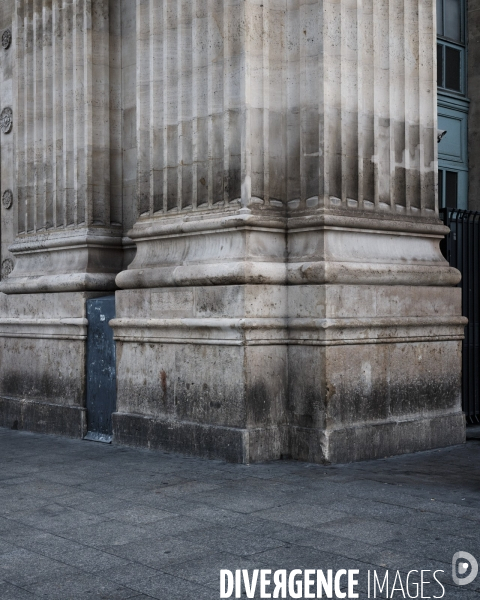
x=92 y=521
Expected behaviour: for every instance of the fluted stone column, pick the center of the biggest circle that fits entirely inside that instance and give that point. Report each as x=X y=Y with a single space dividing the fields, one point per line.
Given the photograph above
x=69 y=234
x=288 y=295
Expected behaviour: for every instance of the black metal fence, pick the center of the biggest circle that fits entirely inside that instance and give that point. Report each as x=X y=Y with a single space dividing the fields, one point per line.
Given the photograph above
x=462 y=250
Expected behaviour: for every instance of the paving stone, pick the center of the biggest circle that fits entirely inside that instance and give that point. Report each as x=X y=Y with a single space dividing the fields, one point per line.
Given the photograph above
x=21 y=567
x=256 y=525
x=357 y=528
x=130 y=575
x=206 y=512
x=138 y=515
x=56 y=518
x=37 y=487
x=222 y=539
x=301 y=515
x=11 y=504
x=157 y=552
x=175 y=525
x=12 y=592
x=92 y=503
x=45 y=543
x=105 y=533
x=92 y=560
x=81 y=587
x=242 y=501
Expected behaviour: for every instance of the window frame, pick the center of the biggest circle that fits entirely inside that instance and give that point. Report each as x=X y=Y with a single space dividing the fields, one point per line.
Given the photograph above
x=463 y=68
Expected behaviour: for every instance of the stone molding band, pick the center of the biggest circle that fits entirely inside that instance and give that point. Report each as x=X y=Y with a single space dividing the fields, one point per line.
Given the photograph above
x=267 y=331
x=84 y=260
x=241 y=444
x=372 y=223
x=58 y=329
x=234 y=444
x=71 y=282
x=74 y=241
x=315 y=249
x=43 y=417
x=293 y=274
x=374 y=274
x=149 y=229
x=181 y=252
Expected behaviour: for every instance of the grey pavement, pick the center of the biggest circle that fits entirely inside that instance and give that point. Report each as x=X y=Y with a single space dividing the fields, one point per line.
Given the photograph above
x=80 y=520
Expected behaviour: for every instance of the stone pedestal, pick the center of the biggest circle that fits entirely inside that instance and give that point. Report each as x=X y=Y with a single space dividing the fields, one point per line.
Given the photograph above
x=43 y=362
x=203 y=370
x=325 y=338
x=373 y=371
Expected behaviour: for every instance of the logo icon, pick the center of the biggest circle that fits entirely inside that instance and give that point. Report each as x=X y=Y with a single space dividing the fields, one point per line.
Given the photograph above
x=462 y=563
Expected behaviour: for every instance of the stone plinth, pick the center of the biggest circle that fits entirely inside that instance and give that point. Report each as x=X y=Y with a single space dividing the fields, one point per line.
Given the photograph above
x=43 y=361
x=348 y=349
x=205 y=372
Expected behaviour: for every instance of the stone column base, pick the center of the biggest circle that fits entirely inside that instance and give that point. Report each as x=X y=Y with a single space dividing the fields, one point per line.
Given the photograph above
x=209 y=441
x=376 y=440
x=353 y=373
x=41 y=417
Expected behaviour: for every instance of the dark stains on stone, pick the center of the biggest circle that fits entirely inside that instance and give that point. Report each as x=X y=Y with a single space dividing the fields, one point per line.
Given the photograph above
x=259 y=404
x=45 y=386
x=163 y=378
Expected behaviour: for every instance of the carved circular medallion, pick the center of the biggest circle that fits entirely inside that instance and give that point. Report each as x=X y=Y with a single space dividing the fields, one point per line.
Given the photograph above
x=7 y=267
x=6 y=39
x=6 y=120
x=7 y=198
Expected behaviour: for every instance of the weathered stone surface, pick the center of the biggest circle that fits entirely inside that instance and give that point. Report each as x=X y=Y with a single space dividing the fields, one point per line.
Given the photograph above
x=306 y=104
x=210 y=441
x=388 y=368
x=43 y=362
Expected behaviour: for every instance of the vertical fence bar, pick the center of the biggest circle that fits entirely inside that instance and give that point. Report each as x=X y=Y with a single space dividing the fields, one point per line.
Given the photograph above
x=462 y=250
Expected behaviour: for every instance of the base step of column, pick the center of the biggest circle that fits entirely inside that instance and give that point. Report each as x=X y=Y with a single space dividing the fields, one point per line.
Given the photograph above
x=40 y=417
x=210 y=441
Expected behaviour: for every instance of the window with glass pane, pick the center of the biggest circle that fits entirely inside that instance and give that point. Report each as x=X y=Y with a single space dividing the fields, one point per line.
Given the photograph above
x=452 y=102
x=449 y=68
x=450 y=20
x=440 y=17
x=453 y=66
x=447 y=188
x=451 y=189
x=450 y=45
